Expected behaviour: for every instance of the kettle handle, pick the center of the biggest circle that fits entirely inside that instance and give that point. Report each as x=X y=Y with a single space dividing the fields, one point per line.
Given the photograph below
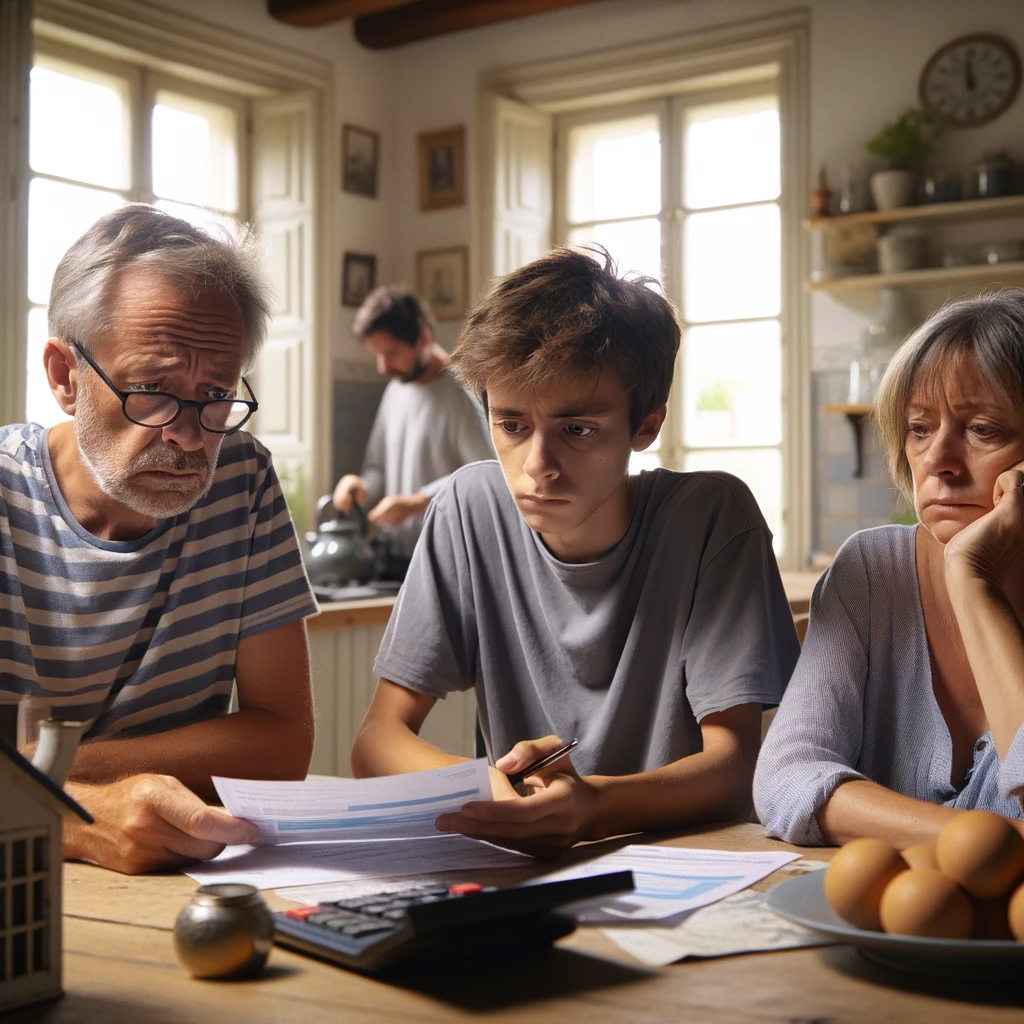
x=357 y=512
x=322 y=502
x=360 y=514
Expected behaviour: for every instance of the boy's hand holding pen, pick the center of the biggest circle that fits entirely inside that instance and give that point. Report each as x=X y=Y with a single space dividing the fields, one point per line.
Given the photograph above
x=516 y=777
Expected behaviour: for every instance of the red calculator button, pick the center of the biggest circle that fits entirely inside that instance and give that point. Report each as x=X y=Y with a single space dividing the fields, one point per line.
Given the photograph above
x=461 y=888
x=301 y=913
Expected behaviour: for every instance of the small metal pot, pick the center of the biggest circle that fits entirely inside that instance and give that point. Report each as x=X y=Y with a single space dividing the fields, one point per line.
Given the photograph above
x=226 y=931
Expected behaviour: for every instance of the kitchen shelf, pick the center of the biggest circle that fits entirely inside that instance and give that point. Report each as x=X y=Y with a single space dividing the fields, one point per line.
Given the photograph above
x=926 y=276
x=965 y=209
x=855 y=414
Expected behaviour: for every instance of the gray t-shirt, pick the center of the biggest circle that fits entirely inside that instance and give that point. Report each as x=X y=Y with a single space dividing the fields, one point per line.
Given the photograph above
x=861 y=703
x=422 y=432
x=684 y=617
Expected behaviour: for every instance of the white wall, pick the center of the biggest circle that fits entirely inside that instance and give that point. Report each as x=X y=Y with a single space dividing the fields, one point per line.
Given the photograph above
x=364 y=95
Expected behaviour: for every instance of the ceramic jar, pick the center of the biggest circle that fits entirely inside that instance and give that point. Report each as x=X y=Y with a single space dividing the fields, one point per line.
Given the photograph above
x=901 y=250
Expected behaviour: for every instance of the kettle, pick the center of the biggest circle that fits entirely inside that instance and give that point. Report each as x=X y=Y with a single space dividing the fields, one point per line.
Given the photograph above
x=339 y=552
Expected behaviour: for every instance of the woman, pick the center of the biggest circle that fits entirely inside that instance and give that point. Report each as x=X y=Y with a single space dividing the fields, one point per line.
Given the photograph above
x=907 y=702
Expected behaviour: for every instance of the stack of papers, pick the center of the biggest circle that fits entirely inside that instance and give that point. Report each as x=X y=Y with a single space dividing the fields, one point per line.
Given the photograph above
x=334 y=830
x=670 y=880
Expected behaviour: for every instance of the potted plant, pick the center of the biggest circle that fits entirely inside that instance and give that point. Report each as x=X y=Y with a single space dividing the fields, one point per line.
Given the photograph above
x=904 y=144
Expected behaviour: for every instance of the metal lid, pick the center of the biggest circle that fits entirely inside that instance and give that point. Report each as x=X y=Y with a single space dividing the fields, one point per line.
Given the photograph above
x=226 y=894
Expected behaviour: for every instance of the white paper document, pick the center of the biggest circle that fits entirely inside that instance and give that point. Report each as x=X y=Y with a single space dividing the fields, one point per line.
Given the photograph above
x=323 y=808
x=270 y=867
x=670 y=880
x=740 y=923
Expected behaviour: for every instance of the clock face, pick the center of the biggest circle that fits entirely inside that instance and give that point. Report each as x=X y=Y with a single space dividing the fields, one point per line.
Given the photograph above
x=971 y=80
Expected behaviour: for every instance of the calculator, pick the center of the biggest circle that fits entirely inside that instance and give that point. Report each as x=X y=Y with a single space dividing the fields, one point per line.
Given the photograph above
x=380 y=931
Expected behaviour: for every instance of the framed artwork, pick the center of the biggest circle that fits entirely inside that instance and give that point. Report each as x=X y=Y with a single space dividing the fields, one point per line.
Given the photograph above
x=442 y=279
x=358 y=278
x=360 y=160
x=442 y=168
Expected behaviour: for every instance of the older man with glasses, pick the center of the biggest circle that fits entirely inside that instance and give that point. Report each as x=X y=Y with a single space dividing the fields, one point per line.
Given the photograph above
x=147 y=559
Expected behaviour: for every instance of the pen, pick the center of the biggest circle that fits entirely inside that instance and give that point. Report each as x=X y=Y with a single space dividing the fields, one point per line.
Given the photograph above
x=517 y=777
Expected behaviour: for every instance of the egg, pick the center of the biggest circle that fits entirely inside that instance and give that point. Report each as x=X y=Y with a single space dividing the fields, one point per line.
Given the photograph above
x=1015 y=913
x=991 y=919
x=982 y=852
x=857 y=876
x=922 y=855
x=925 y=903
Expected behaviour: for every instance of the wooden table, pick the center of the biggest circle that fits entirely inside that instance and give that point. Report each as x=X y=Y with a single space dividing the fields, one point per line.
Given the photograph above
x=119 y=968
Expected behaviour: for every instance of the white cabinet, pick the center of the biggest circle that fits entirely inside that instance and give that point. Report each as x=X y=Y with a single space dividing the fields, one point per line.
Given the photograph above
x=343 y=643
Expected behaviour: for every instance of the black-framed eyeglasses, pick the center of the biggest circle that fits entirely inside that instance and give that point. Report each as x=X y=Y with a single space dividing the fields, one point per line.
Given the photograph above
x=160 y=409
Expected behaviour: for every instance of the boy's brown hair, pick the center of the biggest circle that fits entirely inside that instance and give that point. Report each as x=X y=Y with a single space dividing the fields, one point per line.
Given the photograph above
x=569 y=315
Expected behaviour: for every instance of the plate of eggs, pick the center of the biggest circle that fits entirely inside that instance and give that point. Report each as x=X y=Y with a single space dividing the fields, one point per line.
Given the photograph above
x=953 y=907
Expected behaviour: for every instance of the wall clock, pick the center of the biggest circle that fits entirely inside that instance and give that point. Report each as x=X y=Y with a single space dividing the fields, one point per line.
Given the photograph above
x=971 y=80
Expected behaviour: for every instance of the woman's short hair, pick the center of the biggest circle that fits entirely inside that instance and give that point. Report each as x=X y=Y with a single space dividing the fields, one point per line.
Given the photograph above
x=568 y=315
x=986 y=331
x=393 y=309
x=196 y=260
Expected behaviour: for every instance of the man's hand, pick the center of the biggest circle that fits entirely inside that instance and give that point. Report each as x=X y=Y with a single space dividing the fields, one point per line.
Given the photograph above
x=557 y=813
x=149 y=823
x=396 y=508
x=349 y=488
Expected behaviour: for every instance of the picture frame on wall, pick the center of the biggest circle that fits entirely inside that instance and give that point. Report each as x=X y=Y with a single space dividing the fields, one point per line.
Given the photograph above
x=360 y=160
x=442 y=168
x=442 y=279
x=358 y=277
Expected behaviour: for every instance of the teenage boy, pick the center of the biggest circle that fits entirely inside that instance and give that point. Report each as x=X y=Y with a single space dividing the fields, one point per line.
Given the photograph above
x=643 y=615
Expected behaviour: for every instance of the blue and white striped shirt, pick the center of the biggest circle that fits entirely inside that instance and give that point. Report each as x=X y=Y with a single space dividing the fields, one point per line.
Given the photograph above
x=140 y=636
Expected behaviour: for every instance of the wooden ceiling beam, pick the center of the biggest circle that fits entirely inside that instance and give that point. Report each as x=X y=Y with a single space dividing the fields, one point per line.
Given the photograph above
x=313 y=13
x=425 y=19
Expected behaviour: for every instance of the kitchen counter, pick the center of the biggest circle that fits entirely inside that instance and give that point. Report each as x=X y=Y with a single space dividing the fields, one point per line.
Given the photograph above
x=365 y=611
x=373 y=610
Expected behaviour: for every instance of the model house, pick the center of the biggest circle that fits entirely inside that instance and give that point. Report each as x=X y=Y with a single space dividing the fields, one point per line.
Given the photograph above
x=31 y=813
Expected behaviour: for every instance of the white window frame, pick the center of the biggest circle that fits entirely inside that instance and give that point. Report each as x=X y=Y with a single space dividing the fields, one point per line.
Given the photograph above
x=707 y=61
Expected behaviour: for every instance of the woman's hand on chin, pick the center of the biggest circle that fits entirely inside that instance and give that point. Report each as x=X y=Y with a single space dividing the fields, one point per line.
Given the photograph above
x=991 y=549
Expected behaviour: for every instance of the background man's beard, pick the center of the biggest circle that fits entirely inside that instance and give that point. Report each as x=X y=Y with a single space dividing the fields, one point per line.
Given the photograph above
x=99 y=455
x=417 y=371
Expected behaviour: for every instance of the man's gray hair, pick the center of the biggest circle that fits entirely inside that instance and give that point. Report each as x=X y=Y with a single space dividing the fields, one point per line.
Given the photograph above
x=188 y=257
x=986 y=332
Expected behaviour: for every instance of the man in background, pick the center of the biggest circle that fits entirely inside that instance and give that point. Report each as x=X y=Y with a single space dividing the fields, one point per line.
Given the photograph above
x=427 y=424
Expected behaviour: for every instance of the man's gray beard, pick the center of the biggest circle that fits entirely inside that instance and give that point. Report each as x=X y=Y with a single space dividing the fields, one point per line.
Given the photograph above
x=116 y=482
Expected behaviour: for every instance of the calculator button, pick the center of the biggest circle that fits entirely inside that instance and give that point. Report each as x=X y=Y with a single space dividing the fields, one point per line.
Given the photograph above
x=366 y=928
x=463 y=888
x=394 y=915
x=376 y=908
x=301 y=913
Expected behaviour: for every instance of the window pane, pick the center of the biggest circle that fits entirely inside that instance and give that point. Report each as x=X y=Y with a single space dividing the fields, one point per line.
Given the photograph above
x=733 y=385
x=208 y=220
x=731 y=153
x=760 y=470
x=40 y=405
x=732 y=269
x=195 y=152
x=78 y=127
x=644 y=460
x=634 y=244
x=615 y=169
x=57 y=215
